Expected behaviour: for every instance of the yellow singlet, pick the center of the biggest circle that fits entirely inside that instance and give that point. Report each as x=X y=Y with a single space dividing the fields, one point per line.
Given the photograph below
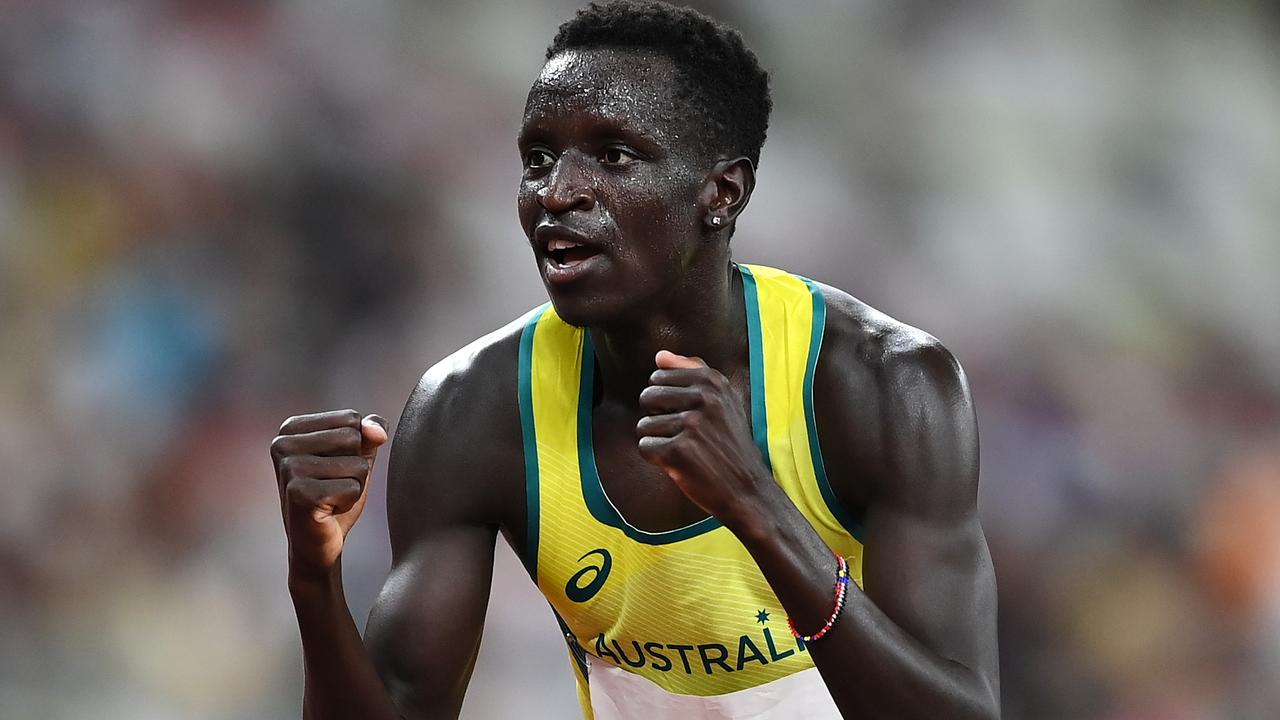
x=678 y=623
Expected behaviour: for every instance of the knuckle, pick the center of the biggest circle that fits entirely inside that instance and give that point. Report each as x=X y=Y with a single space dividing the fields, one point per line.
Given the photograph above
x=354 y=468
x=298 y=492
x=343 y=439
x=291 y=468
x=278 y=446
x=348 y=489
x=350 y=438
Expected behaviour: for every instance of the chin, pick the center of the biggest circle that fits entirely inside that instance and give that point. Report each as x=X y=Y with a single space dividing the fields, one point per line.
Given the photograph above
x=580 y=312
x=589 y=310
x=601 y=301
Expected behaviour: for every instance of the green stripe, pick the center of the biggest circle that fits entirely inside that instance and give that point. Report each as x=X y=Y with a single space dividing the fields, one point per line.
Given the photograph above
x=576 y=651
x=755 y=352
x=598 y=503
x=529 y=434
x=815 y=449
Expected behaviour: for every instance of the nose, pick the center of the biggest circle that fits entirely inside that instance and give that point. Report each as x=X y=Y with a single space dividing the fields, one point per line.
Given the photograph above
x=567 y=187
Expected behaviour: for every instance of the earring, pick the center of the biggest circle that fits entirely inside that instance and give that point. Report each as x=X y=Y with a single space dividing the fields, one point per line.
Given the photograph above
x=715 y=221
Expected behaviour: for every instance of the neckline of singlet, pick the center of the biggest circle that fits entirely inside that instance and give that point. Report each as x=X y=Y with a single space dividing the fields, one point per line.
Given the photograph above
x=597 y=500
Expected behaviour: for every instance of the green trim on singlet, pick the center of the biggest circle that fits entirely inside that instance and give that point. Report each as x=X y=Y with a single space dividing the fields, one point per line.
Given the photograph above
x=815 y=449
x=755 y=342
x=597 y=501
x=529 y=435
x=576 y=651
x=602 y=509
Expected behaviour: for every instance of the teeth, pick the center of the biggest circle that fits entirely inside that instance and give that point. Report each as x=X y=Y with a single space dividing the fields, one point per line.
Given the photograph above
x=559 y=244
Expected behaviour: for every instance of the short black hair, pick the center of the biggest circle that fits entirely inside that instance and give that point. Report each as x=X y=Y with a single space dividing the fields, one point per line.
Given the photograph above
x=719 y=82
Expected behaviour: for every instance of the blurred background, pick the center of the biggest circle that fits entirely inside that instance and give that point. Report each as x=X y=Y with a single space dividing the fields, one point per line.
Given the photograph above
x=216 y=214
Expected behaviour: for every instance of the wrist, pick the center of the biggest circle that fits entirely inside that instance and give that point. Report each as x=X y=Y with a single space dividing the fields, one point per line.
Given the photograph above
x=755 y=517
x=310 y=584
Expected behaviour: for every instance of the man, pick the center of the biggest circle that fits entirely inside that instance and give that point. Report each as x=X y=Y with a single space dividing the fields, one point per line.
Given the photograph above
x=687 y=478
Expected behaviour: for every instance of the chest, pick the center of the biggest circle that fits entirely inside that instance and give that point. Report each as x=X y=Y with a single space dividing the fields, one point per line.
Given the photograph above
x=601 y=517
x=642 y=492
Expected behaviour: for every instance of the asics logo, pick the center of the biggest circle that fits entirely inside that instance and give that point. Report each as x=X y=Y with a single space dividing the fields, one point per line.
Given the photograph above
x=587 y=582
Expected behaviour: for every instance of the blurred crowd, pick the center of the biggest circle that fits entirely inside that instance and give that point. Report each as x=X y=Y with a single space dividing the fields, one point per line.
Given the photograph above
x=218 y=213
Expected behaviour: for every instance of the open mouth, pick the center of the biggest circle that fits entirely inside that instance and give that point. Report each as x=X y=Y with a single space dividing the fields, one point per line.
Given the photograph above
x=567 y=253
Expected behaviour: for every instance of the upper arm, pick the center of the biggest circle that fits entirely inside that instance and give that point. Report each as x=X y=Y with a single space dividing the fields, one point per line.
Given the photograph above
x=444 y=511
x=910 y=459
x=926 y=563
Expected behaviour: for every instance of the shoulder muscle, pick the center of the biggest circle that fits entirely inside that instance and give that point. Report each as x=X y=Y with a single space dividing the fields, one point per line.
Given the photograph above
x=897 y=412
x=458 y=441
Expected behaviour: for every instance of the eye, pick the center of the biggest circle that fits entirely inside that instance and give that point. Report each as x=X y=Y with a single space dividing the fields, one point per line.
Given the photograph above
x=538 y=159
x=617 y=156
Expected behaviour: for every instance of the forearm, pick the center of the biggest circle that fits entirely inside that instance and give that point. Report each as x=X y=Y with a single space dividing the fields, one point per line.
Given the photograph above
x=341 y=682
x=872 y=667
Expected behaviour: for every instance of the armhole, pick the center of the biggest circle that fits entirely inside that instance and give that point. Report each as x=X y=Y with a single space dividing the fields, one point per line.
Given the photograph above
x=756 y=352
x=529 y=437
x=817 y=332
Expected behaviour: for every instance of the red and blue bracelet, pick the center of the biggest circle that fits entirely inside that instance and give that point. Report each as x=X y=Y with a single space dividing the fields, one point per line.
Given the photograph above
x=842 y=585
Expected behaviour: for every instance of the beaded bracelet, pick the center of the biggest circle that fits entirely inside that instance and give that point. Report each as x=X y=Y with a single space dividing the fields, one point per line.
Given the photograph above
x=842 y=584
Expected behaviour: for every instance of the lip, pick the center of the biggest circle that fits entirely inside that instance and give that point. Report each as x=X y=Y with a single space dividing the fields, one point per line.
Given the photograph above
x=544 y=233
x=557 y=274
x=554 y=272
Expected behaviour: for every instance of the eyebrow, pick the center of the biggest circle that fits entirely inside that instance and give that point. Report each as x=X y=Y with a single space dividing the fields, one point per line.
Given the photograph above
x=603 y=127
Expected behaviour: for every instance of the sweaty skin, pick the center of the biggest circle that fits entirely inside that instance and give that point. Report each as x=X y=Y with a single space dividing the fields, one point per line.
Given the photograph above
x=609 y=166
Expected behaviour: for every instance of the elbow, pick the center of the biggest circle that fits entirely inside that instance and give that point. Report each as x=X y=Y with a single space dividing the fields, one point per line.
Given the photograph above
x=977 y=705
x=976 y=694
x=989 y=711
x=985 y=700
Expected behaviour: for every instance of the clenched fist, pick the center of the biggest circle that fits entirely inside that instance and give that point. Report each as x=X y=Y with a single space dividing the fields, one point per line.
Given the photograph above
x=323 y=463
x=698 y=432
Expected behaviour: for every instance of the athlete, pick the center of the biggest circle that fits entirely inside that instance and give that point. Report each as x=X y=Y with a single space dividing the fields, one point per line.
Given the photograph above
x=743 y=493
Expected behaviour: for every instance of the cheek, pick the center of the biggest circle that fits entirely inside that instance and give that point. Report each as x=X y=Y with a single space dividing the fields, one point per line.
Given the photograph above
x=658 y=233
x=527 y=205
x=662 y=209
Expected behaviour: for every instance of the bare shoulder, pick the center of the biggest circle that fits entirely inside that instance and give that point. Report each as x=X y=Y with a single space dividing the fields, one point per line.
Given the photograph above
x=882 y=345
x=901 y=403
x=468 y=385
x=458 y=448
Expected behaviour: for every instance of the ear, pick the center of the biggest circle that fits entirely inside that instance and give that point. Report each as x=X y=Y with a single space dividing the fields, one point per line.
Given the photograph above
x=726 y=191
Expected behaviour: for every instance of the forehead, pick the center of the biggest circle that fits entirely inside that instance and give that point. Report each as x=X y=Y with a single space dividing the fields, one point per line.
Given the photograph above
x=634 y=86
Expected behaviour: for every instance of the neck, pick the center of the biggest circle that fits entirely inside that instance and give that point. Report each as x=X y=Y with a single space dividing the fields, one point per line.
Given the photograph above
x=705 y=317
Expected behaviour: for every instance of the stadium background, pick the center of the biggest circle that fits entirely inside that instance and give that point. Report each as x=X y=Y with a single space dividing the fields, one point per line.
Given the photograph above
x=217 y=214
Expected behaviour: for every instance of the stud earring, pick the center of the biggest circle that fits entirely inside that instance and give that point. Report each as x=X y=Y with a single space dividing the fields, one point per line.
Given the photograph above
x=715 y=221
